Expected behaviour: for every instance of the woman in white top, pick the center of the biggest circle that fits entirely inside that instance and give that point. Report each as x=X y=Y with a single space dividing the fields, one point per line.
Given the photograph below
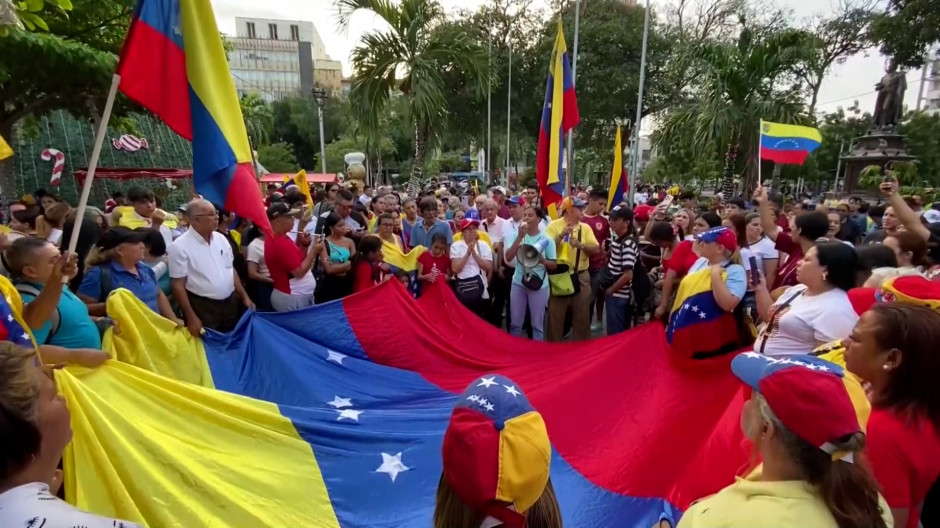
x=34 y=430
x=260 y=284
x=471 y=262
x=814 y=312
x=763 y=248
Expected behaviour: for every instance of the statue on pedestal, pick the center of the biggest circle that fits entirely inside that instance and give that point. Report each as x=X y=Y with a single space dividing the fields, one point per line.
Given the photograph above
x=889 y=106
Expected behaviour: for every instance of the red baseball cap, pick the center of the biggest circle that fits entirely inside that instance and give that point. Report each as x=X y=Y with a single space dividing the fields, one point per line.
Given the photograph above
x=722 y=236
x=810 y=396
x=468 y=222
x=642 y=212
x=496 y=451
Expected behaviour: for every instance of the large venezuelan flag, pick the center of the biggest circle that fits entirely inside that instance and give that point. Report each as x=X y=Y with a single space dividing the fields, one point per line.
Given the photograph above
x=789 y=144
x=698 y=327
x=173 y=64
x=346 y=408
x=559 y=115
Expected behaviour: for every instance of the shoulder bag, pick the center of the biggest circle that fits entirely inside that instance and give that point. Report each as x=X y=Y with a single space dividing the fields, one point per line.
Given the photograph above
x=563 y=281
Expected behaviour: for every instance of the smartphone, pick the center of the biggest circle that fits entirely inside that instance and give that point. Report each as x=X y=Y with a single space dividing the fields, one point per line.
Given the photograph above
x=755 y=273
x=667 y=201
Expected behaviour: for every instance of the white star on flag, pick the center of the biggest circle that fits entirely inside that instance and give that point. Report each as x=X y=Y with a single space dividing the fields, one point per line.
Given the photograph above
x=339 y=403
x=695 y=309
x=702 y=315
x=487 y=382
x=473 y=398
x=350 y=414
x=489 y=407
x=335 y=357
x=25 y=336
x=511 y=389
x=10 y=318
x=483 y=402
x=392 y=465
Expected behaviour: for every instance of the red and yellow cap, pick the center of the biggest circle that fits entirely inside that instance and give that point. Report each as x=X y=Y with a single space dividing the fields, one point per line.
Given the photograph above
x=914 y=290
x=496 y=451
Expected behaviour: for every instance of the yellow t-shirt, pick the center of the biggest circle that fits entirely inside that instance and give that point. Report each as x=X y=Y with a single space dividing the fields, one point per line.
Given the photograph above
x=565 y=252
x=751 y=502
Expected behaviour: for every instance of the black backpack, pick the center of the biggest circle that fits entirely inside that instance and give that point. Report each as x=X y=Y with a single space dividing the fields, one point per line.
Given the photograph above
x=641 y=284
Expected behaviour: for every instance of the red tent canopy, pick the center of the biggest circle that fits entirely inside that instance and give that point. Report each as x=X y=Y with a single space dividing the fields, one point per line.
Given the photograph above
x=279 y=177
x=118 y=173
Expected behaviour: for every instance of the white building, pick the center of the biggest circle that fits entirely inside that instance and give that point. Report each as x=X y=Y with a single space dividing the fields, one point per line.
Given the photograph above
x=280 y=58
x=931 y=100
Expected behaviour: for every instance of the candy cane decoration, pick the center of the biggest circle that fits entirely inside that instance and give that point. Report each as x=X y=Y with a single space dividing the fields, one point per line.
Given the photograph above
x=54 y=154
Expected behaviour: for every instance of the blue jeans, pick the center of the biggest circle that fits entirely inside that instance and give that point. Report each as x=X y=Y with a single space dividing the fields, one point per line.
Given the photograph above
x=619 y=314
x=536 y=301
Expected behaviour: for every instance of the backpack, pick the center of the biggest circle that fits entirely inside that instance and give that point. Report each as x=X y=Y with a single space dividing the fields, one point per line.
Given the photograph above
x=641 y=284
x=104 y=282
x=55 y=318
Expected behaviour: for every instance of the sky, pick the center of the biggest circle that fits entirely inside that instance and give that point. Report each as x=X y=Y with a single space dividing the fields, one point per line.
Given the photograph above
x=845 y=83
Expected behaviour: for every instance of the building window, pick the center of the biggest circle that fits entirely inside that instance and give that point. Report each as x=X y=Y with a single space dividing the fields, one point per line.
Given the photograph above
x=272 y=31
x=294 y=32
x=251 y=29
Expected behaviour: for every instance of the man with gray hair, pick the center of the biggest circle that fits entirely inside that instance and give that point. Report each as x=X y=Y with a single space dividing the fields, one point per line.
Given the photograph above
x=204 y=280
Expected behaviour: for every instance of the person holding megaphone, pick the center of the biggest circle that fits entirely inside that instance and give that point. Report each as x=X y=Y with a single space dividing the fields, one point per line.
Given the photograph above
x=532 y=253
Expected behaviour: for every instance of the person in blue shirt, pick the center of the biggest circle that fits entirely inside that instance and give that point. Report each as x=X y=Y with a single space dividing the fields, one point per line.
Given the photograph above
x=31 y=264
x=118 y=263
x=718 y=249
x=423 y=231
x=529 y=288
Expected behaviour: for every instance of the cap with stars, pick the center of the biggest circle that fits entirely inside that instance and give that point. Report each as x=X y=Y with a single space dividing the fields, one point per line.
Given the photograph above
x=496 y=451
x=811 y=397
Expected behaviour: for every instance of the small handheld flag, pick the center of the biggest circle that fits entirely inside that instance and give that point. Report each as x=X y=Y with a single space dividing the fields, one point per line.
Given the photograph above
x=300 y=180
x=787 y=144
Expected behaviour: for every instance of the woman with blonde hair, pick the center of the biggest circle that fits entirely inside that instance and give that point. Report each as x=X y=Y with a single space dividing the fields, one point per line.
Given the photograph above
x=34 y=430
x=467 y=492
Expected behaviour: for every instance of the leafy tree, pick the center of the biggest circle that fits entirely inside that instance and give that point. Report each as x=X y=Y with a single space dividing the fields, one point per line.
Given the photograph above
x=30 y=13
x=741 y=84
x=923 y=141
x=907 y=30
x=295 y=121
x=410 y=46
x=259 y=118
x=278 y=157
x=69 y=68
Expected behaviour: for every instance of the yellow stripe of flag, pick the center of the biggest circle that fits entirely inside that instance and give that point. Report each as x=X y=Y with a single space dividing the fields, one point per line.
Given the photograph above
x=558 y=103
x=792 y=131
x=5 y=150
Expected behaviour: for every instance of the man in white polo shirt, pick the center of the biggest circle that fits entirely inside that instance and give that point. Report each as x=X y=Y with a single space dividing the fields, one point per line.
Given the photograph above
x=205 y=283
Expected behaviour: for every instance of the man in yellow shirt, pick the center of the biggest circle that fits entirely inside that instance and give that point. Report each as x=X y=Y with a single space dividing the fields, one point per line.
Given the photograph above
x=574 y=240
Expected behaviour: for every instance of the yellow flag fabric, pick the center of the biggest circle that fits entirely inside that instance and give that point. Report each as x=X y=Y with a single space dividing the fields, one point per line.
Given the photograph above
x=5 y=150
x=394 y=256
x=167 y=454
x=300 y=180
x=149 y=341
x=616 y=173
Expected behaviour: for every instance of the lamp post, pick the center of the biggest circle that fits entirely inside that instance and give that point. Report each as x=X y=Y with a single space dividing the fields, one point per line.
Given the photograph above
x=319 y=94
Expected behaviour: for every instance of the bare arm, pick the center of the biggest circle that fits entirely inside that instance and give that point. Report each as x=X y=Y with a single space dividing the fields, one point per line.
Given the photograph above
x=766 y=214
x=723 y=296
x=905 y=214
x=179 y=293
x=86 y=357
x=254 y=274
x=764 y=300
x=770 y=267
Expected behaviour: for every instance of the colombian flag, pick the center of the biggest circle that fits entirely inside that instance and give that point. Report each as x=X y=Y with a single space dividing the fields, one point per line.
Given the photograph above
x=334 y=417
x=698 y=327
x=617 y=181
x=174 y=65
x=559 y=115
x=789 y=144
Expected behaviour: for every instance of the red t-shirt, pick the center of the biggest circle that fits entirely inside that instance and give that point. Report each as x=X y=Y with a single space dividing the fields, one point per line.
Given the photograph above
x=681 y=260
x=428 y=261
x=905 y=458
x=366 y=276
x=783 y=223
x=786 y=273
x=601 y=229
x=283 y=256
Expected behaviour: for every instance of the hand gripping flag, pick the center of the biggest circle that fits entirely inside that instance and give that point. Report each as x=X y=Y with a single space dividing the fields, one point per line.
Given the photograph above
x=559 y=115
x=787 y=144
x=173 y=64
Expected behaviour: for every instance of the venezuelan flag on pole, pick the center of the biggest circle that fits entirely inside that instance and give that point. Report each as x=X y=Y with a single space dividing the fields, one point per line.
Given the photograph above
x=787 y=144
x=559 y=115
x=616 y=174
x=173 y=64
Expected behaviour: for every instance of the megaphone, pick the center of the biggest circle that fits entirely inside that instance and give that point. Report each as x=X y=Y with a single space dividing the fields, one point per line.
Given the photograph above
x=529 y=255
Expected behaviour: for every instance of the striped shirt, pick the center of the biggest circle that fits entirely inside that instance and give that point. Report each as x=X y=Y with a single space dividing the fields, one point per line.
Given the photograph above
x=623 y=253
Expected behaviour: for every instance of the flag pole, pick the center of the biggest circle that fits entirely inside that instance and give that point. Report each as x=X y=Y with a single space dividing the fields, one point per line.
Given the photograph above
x=508 y=115
x=634 y=161
x=93 y=164
x=489 y=101
x=760 y=151
x=569 y=178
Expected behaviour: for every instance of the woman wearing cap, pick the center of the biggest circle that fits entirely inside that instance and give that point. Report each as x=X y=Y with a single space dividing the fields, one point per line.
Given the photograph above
x=471 y=261
x=708 y=298
x=804 y=426
x=117 y=262
x=336 y=258
x=529 y=290
x=805 y=229
x=894 y=348
x=816 y=311
x=288 y=262
x=476 y=489
x=678 y=257
x=34 y=430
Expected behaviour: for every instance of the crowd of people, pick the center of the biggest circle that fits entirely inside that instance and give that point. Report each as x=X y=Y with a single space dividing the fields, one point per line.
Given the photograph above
x=848 y=436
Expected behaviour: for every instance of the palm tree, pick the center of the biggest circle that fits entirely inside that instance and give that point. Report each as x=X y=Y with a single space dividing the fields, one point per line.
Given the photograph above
x=739 y=84
x=409 y=57
x=259 y=119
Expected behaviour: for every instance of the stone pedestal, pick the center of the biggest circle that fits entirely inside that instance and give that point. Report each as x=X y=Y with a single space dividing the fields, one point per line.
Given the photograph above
x=876 y=148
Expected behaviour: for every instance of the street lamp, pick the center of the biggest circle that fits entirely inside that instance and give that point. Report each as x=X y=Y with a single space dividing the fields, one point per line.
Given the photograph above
x=319 y=94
